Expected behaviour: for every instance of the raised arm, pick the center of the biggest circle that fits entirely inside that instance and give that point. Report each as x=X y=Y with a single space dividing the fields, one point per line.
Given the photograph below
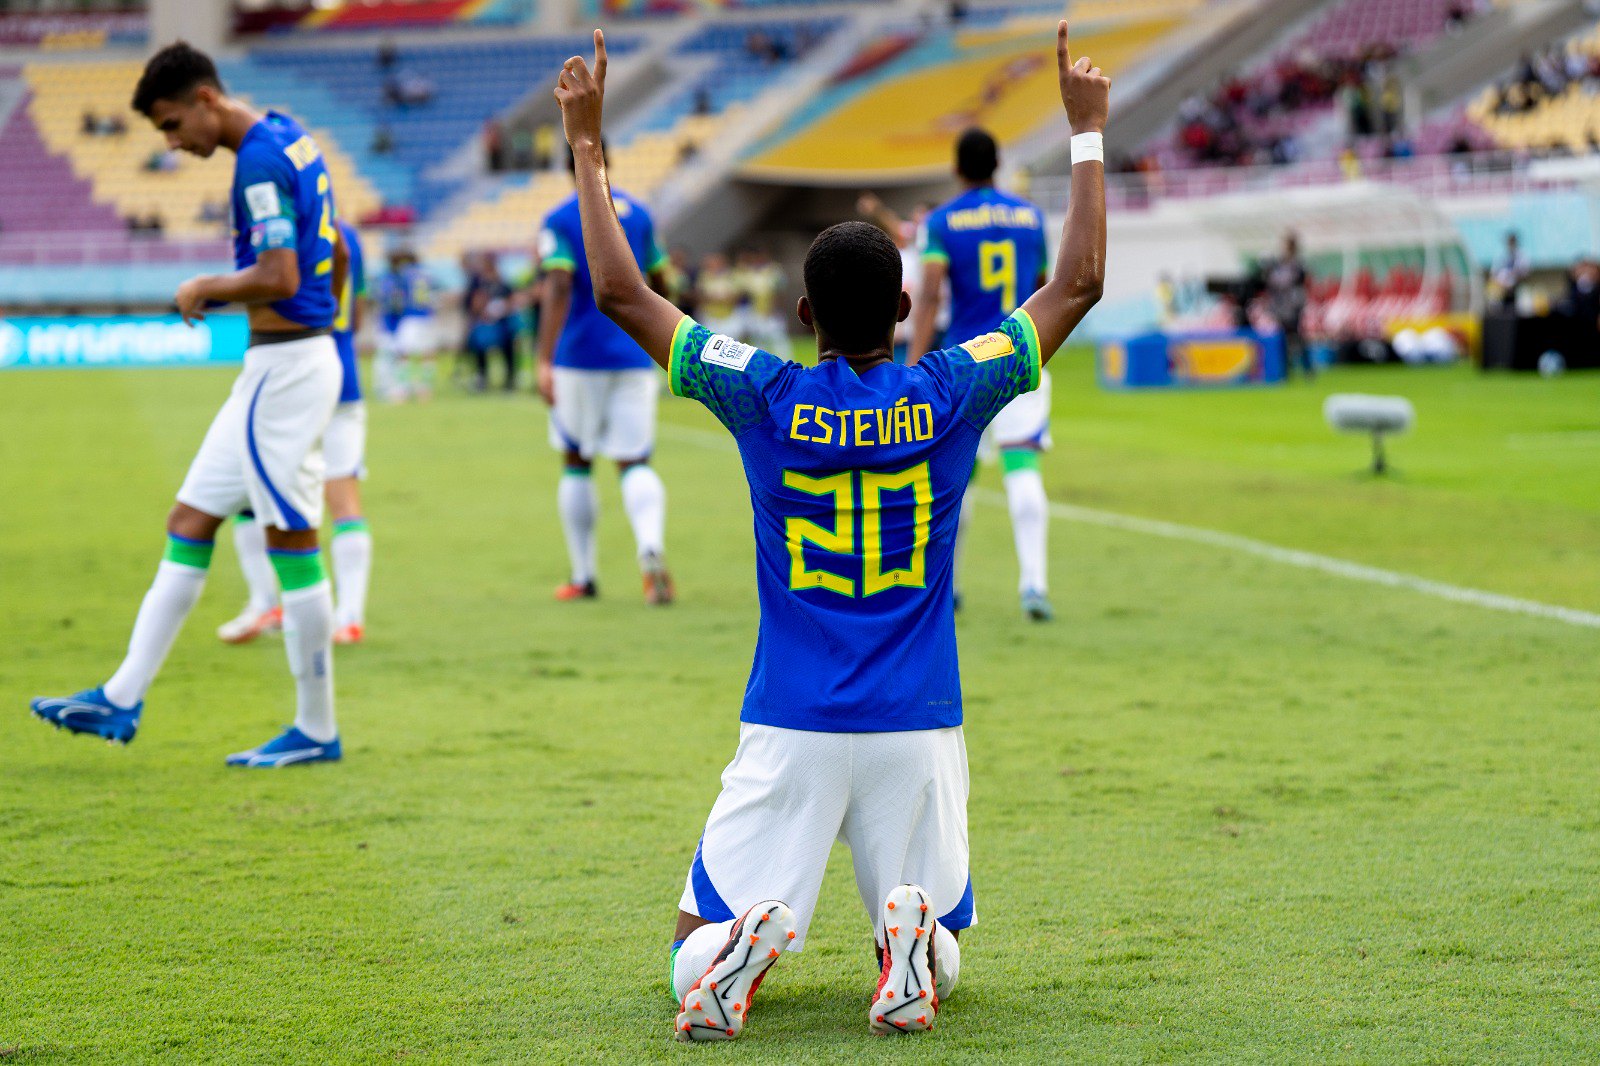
x=925 y=308
x=1058 y=307
x=620 y=290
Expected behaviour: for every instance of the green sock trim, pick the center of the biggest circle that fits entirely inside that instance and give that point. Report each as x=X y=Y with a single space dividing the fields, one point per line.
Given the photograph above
x=672 y=971
x=1014 y=459
x=297 y=569
x=243 y=519
x=186 y=552
x=350 y=525
x=577 y=471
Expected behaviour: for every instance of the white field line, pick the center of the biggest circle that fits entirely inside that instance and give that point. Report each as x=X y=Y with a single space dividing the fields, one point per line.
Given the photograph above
x=1305 y=560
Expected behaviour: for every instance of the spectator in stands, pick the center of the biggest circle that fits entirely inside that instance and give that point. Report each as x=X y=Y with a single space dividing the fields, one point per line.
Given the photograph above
x=212 y=211
x=388 y=54
x=541 y=146
x=382 y=139
x=89 y=125
x=115 y=126
x=1510 y=271
x=1285 y=281
x=702 y=100
x=1456 y=16
x=494 y=146
x=1582 y=301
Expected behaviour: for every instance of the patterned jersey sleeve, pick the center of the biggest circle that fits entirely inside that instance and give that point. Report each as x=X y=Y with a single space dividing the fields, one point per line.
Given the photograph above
x=988 y=372
x=654 y=258
x=555 y=248
x=266 y=184
x=736 y=381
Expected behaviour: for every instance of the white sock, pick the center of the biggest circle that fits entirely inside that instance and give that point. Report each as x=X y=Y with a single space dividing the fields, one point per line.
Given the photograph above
x=580 y=508
x=172 y=595
x=351 y=550
x=250 y=544
x=1030 y=524
x=694 y=957
x=644 y=497
x=308 y=639
x=947 y=962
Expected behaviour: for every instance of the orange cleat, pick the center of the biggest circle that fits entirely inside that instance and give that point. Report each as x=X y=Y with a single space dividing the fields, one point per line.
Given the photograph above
x=574 y=591
x=250 y=625
x=658 y=588
x=721 y=1010
x=907 y=981
x=354 y=633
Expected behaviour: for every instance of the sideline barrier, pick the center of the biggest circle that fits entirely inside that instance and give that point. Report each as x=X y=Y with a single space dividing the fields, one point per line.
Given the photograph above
x=1209 y=359
x=121 y=341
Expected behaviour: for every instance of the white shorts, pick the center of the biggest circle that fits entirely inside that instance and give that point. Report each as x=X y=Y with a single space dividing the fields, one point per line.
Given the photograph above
x=610 y=414
x=344 y=443
x=1022 y=423
x=264 y=448
x=898 y=800
x=415 y=336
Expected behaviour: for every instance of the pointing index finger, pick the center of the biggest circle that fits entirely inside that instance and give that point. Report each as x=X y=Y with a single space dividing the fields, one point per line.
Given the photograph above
x=600 y=55
x=1063 y=45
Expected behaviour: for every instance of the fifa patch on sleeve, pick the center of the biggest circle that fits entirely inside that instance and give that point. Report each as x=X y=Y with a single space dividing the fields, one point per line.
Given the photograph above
x=989 y=346
x=273 y=233
x=726 y=352
x=262 y=200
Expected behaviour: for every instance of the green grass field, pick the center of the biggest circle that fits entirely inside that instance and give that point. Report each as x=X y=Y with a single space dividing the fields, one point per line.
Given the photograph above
x=1223 y=810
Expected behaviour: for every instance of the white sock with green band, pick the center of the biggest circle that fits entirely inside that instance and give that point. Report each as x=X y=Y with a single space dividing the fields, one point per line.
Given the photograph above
x=250 y=544
x=1030 y=519
x=693 y=958
x=179 y=581
x=580 y=510
x=308 y=638
x=351 y=551
x=644 y=497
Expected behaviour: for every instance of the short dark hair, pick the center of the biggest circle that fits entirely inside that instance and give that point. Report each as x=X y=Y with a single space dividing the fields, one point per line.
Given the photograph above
x=853 y=280
x=977 y=156
x=572 y=157
x=173 y=73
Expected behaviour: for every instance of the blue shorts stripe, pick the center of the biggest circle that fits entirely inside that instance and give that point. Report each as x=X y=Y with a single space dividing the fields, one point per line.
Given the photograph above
x=292 y=519
x=960 y=915
x=710 y=903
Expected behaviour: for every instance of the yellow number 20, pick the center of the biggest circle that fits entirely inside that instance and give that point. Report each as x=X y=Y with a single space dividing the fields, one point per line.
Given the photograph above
x=841 y=540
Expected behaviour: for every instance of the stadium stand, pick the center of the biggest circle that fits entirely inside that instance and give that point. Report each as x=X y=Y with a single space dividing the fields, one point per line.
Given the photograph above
x=130 y=173
x=1549 y=103
x=726 y=66
x=383 y=15
x=347 y=91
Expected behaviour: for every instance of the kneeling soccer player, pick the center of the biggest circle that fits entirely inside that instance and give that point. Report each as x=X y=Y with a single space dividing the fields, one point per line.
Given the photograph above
x=857 y=466
x=262 y=450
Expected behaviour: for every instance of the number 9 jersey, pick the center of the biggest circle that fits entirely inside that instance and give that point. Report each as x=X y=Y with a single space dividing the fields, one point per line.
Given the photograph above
x=856 y=483
x=282 y=198
x=994 y=247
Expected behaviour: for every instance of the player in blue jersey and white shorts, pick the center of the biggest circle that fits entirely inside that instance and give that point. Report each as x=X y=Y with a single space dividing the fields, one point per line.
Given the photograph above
x=602 y=390
x=344 y=448
x=263 y=450
x=990 y=248
x=408 y=335
x=852 y=719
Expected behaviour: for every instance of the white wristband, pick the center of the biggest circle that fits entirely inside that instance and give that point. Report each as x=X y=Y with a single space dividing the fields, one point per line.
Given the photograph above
x=1088 y=148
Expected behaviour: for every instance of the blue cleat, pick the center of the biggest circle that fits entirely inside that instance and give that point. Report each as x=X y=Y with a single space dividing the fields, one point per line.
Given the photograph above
x=292 y=746
x=1036 y=606
x=90 y=712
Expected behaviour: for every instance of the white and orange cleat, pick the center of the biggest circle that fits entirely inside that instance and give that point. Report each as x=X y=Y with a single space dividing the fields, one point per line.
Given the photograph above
x=352 y=633
x=251 y=624
x=906 y=1001
x=716 y=1007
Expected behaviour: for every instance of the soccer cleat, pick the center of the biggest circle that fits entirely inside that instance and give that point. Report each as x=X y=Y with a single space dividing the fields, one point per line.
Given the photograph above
x=658 y=588
x=1036 y=607
x=718 y=1004
x=289 y=747
x=251 y=624
x=354 y=633
x=90 y=712
x=905 y=1000
x=574 y=591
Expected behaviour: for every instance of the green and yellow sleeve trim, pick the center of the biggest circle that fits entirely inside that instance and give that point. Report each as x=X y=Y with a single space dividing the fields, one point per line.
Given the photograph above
x=1030 y=336
x=559 y=262
x=680 y=352
x=935 y=255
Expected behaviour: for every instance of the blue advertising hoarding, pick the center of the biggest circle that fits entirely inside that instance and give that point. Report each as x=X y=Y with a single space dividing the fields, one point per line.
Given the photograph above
x=122 y=341
x=1201 y=359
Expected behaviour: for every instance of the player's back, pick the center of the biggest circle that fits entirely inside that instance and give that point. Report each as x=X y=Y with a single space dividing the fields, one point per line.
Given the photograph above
x=995 y=248
x=856 y=482
x=283 y=198
x=589 y=340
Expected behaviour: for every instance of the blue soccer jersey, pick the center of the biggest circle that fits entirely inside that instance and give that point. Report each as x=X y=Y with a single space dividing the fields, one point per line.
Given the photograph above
x=994 y=246
x=856 y=482
x=344 y=334
x=404 y=293
x=282 y=198
x=590 y=340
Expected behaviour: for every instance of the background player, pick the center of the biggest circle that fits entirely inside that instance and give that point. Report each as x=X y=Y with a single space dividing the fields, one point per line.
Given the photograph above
x=344 y=447
x=262 y=449
x=602 y=393
x=852 y=716
x=760 y=281
x=408 y=338
x=991 y=247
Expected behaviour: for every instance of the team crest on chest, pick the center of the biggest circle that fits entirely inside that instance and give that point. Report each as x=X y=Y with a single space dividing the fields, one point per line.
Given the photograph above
x=989 y=346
